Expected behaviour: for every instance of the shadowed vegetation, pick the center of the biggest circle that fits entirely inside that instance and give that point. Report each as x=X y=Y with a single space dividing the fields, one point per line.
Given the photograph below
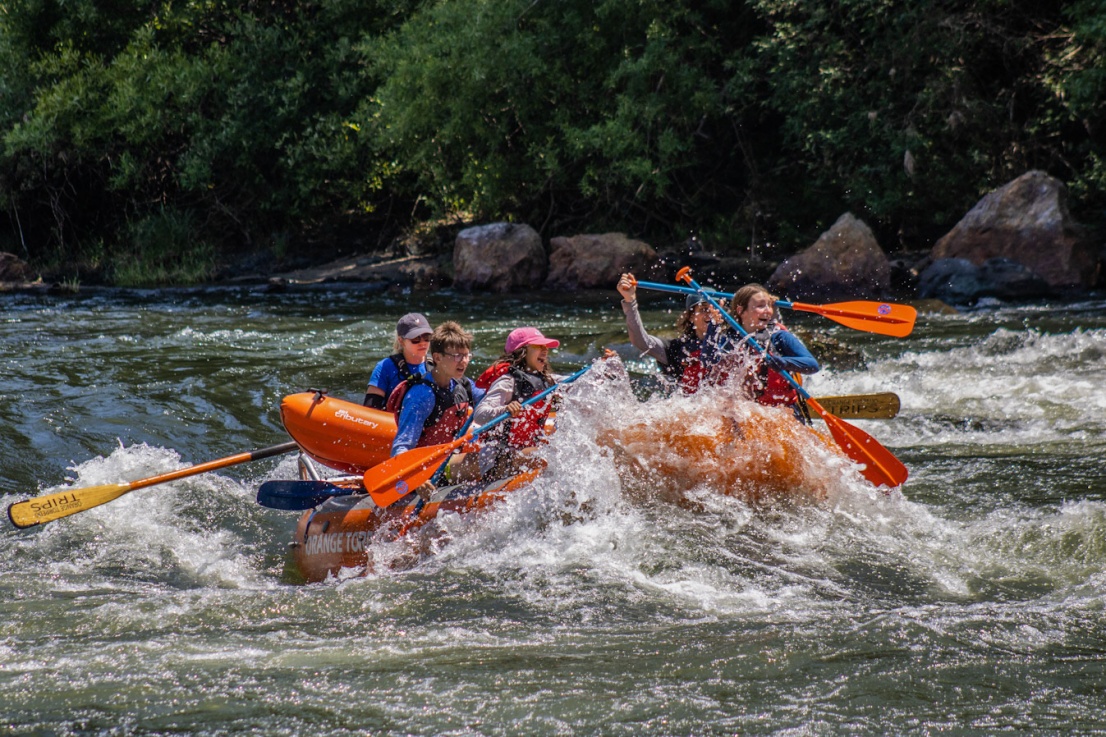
x=150 y=142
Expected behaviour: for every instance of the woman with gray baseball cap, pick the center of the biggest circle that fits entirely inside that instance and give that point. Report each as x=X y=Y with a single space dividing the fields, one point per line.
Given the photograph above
x=678 y=358
x=408 y=359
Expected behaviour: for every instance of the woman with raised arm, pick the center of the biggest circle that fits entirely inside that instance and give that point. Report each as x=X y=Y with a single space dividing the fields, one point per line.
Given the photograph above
x=681 y=357
x=760 y=373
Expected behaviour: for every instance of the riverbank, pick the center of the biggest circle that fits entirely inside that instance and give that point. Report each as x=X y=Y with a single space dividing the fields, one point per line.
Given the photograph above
x=1018 y=243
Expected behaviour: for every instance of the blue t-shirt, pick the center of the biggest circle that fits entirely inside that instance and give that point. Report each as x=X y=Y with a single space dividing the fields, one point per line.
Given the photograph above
x=386 y=376
x=418 y=403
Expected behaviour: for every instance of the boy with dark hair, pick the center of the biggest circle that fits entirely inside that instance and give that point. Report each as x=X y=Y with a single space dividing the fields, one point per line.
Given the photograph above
x=431 y=409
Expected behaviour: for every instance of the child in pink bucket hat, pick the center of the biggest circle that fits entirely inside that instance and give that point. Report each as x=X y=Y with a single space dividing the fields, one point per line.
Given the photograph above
x=520 y=373
x=520 y=337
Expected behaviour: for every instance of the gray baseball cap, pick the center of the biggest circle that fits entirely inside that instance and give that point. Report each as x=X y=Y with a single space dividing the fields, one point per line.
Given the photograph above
x=693 y=299
x=412 y=325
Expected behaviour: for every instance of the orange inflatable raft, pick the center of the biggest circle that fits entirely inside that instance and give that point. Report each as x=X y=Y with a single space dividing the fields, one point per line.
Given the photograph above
x=336 y=537
x=740 y=449
x=336 y=433
x=338 y=534
x=744 y=450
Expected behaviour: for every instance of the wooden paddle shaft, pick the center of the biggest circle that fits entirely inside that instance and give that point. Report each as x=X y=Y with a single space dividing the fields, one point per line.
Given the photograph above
x=255 y=455
x=50 y=507
x=882 y=406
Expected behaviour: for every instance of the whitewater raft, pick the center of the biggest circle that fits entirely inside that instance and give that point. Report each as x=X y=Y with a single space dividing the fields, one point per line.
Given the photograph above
x=736 y=447
x=335 y=538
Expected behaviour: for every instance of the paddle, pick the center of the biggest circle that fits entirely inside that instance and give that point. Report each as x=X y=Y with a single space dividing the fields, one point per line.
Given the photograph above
x=397 y=477
x=60 y=504
x=882 y=318
x=880 y=466
x=882 y=406
x=299 y=495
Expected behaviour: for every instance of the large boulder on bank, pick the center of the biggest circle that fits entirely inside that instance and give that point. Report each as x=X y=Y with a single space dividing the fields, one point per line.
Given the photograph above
x=500 y=257
x=596 y=261
x=954 y=280
x=1026 y=221
x=959 y=281
x=845 y=262
x=13 y=268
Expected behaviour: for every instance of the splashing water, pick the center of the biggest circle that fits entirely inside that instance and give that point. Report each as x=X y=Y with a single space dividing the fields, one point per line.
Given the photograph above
x=684 y=565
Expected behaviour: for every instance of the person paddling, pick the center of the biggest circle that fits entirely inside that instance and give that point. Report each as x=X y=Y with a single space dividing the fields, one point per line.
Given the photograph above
x=754 y=308
x=432 y=408
x=520 y=373
x=679 y=358
x=408 y=359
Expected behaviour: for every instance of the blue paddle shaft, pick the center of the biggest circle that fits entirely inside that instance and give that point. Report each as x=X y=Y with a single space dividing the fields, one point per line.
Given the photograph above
x=744 y=333
x=536 y=398
x=677 y=289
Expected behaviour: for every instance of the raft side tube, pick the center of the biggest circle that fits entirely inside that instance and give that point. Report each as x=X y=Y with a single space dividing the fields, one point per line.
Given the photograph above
x=339 y=533
x=338 y=434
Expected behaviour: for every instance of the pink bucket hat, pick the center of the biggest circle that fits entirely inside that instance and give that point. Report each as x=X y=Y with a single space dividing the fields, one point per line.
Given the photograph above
x=528 y=336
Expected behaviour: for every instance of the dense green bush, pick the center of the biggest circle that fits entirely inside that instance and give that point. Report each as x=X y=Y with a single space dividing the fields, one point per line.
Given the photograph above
x=572 y=114
x=908 y=112
x=134 y=131
x=1078 y=78
x=234 y=118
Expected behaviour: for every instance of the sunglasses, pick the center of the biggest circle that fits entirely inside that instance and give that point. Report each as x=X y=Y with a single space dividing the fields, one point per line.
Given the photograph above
x=419 y=340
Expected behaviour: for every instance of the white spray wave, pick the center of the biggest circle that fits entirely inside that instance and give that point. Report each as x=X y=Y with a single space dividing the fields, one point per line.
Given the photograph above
x=722 y=557
x=1008 y=388
x=174 y=533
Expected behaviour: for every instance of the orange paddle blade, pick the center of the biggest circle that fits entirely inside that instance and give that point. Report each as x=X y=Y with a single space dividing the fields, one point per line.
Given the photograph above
x=881 y=467
x=884 y=318
x=397 y=477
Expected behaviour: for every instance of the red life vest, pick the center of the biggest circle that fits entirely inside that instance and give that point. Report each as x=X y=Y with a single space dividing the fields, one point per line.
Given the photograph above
x=525 y=429
x=491 y=373
x=767 y=385
x=775 y=391
x=684 y=363
x=451 y=408
x=529 y=426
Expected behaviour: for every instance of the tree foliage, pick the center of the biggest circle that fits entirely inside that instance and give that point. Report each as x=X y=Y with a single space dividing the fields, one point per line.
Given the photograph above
x=908 y=112
x=136 y=130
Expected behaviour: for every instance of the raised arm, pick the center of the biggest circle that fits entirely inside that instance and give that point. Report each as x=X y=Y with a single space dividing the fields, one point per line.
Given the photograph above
x=649 y=345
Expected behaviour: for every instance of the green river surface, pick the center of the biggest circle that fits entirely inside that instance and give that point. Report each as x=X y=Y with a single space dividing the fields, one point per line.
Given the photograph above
x=969 y=601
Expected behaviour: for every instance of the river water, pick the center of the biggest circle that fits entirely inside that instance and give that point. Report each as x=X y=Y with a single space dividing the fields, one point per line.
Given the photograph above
x=969 y=601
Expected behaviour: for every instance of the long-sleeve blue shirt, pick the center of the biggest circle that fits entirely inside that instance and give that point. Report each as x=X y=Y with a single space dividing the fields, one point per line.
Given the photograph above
x=418 y=404
x=785 y=351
